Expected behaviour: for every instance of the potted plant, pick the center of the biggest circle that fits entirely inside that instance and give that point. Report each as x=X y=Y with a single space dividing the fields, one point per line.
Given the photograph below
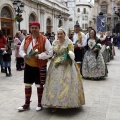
x=18 y=18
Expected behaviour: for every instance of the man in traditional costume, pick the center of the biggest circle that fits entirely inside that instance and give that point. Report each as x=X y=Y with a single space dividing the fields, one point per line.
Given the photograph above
x=88 y=32
x=79 y=41
x=35 y=66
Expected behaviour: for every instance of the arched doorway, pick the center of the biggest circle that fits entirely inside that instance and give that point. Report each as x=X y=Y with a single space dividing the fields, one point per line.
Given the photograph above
x=32 y=17
x=6 y=22
x=48 y=26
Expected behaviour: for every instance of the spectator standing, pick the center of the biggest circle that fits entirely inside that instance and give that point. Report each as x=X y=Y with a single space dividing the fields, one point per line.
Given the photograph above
x=3 y=41
x=118 y=40
x=7 y=59
x=19 y=59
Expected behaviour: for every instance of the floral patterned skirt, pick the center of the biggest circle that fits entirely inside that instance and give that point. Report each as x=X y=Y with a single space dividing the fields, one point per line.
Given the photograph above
x=106 y=54
x=93 y=67
x=63 y=87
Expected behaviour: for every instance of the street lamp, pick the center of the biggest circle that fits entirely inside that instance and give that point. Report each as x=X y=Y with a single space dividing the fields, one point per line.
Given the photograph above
x=60 y=20
x=19 y=7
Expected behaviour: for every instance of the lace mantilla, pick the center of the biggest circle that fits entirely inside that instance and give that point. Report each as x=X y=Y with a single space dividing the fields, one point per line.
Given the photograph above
x=102 y=38
x=65 y=43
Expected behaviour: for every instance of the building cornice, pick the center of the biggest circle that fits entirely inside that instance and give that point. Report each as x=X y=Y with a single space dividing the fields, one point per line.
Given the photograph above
x=84 y=5
x=53 y=6
x=104 y=3
x=56 y=3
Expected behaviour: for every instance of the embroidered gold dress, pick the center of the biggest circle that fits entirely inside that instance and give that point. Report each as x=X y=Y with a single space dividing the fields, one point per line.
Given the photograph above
x=63 y=87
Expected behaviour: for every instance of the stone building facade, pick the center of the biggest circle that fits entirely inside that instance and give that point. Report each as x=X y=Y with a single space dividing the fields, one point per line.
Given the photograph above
x=44 y=11
x=84 y=14
x=81 y=11
x=108 y=8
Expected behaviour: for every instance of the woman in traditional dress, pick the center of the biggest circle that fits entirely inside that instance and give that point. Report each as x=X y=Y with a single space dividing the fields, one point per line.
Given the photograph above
x=111 y=45
x=63 y=87
x=105 y=50
x=93 y=62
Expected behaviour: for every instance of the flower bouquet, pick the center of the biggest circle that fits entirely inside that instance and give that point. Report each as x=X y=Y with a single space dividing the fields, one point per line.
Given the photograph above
x=75 y=42
x=18 y=18
x=69 y=55
x=32 y=53
x=107 y=47
x=98 y=46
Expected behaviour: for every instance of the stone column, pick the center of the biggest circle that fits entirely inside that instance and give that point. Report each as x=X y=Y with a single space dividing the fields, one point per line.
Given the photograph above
x=42 y=13
x=112 y=15
x=55 y=23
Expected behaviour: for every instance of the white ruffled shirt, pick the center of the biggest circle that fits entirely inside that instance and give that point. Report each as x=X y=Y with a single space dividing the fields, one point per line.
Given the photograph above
x=43 y=55
x=84 y=39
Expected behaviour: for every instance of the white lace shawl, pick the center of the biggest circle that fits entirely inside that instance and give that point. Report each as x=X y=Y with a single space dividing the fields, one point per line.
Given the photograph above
x=91 y=43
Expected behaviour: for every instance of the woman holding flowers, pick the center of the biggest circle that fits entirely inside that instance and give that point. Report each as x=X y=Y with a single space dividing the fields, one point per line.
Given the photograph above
x=93 y=62
x=105 y=48
x=63 y=87
x=111 y=45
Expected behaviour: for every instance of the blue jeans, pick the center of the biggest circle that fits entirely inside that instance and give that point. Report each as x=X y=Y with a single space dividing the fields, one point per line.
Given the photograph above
x=118 y=44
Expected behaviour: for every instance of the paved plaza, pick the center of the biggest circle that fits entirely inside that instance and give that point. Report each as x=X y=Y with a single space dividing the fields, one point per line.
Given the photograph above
x=102 y=98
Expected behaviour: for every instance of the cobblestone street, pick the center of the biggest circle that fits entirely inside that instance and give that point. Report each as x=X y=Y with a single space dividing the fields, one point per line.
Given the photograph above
x=102 y=98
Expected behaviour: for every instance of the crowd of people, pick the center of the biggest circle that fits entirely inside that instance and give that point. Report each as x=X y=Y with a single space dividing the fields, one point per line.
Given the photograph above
x=80 y=56
x=93 y=51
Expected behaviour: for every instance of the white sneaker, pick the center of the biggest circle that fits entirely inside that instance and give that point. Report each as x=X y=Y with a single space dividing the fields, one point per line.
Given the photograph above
x=22 y=109
x=39 y=108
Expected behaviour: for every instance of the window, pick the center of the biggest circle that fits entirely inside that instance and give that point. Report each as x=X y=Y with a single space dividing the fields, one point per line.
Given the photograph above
x=48 y=22
x=6 y=13
x=70 y=19
x=78 y=10
x=84 y=11
x=86 y=26
x=83 y=18
x=86 y=18
x=32 y=17
x=82 y=26
x=104 y=9
x=71 y=4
